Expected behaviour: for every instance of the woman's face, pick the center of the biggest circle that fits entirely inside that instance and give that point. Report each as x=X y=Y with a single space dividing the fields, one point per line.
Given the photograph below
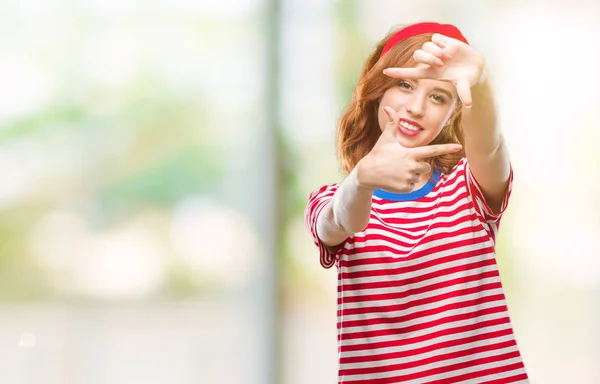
x=424 y=107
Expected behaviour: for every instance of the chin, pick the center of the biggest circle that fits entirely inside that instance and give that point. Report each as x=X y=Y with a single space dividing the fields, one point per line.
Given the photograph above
x=412 y=143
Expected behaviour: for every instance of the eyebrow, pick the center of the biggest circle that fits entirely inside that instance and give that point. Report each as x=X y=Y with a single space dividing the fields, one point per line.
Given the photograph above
x=442 y=90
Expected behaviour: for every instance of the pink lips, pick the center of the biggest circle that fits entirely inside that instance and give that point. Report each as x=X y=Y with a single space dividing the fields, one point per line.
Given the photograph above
x=408 y=132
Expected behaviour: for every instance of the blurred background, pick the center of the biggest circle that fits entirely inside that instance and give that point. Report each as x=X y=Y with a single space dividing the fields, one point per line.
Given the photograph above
x=156 y=157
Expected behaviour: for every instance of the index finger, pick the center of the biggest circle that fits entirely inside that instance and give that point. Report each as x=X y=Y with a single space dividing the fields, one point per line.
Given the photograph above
x=410 y=73
x=434 y=150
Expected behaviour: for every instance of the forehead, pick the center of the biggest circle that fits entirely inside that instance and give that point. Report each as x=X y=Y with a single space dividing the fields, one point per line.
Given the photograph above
x=443 y=84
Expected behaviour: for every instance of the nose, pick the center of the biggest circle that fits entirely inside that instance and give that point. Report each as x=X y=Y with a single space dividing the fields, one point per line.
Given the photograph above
x=416 y=105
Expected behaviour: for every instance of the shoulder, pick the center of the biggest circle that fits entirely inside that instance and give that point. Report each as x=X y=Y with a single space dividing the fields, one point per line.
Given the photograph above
x=456 y=173
x=460 y=166
x=323 y=191
x=317 y=198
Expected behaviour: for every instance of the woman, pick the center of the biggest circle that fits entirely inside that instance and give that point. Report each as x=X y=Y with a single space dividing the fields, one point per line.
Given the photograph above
x=412 y=227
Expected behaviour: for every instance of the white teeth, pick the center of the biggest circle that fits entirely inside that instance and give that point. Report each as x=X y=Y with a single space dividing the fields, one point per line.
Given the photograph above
x=409 y=126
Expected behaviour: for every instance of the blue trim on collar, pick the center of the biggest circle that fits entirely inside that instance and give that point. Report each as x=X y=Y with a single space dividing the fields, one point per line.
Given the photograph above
x=414 y=195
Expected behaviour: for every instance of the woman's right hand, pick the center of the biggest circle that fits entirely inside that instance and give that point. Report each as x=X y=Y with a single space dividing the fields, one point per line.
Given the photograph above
x=392 y=167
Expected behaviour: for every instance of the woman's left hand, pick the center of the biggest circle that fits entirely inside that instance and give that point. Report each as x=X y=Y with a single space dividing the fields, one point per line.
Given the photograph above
x=447 y=59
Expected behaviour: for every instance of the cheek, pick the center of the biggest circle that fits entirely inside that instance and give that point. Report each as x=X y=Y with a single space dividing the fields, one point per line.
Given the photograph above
x=392 y=98
x=451 y=110
x=442 y=118
x=437 y=132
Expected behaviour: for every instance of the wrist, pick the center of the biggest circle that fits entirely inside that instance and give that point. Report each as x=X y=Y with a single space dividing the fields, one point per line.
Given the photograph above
x=483 y=76
x=360 y=177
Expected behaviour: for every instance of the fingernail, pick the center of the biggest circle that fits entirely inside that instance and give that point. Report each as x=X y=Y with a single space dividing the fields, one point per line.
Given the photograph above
x=457 y=147
x=385 y=71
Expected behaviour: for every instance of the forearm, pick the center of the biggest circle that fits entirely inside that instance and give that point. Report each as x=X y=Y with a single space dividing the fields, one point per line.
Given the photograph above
x=352 y=204
x=484 y=145
x=480 y=122
x=347 y=213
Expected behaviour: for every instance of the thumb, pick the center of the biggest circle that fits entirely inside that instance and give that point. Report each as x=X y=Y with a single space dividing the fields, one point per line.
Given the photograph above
x=464 y=92
x=393 y=117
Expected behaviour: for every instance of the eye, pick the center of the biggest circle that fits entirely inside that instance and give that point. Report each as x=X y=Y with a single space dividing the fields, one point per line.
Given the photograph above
x=405 y=85
x=439 y=98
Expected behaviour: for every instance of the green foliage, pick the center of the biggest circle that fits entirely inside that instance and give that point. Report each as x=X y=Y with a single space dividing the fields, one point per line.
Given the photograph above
x=186 y=172
x=21 y=278
x=353 y=48
x=49 y=118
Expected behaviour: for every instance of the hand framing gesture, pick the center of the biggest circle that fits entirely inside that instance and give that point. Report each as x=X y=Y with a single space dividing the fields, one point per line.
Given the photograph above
x=448 y=59
x=394 y=168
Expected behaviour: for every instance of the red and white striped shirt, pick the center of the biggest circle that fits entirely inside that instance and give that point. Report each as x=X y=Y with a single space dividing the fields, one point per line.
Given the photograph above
x=419 y=293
